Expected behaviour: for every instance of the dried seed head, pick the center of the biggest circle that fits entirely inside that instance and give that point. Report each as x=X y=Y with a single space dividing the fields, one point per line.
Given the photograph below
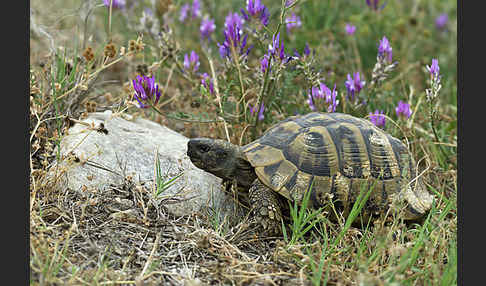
x=88 y=54
x=132 y=45
x=139 y=44
x=139 y=47
x=90 y=106
x=110 y=50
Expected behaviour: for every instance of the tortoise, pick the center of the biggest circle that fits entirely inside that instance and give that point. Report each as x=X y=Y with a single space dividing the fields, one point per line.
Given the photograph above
x=336 y=153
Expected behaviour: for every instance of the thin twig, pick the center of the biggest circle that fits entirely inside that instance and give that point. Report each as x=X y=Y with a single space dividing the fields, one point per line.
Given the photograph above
x=150 y=258
x=218 y=96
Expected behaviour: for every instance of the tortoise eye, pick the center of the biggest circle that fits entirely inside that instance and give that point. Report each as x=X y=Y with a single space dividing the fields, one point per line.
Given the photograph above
x=204 y=148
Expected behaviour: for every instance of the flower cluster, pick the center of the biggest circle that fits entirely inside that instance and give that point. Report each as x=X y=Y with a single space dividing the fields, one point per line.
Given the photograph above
x=441 y=21
x=191 y=63
x=145 y=91
x=384 y=64
x=276 y=46
x=434 y=68
x=292 y=22
x=206 y=28
x=232 y=37
x=255 y=9
x=354 y=85
x=403 y=110
x=378 y=118
x=385 y=50
x=322 y=91
x=116 y=3
x=373 y=4
x=265 y=63
x=194 y=9
x=435 y=85
x=275 y=51
x=234 y=19
x=333 y=102
x=350 y=29
x=207 y=82
x=260 y=111
x=306 y=51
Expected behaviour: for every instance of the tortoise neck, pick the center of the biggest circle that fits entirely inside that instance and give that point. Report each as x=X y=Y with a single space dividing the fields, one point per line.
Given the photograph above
x=244 y=173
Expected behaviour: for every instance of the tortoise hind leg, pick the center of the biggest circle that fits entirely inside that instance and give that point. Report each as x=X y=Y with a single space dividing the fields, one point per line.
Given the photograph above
x=266 y=208
x=419 y=201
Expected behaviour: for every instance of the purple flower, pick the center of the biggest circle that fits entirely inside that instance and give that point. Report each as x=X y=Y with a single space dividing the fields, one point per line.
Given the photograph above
x=191 y=62
x=306 y=49
x=116 y=3
x=373 y=4
x=350 y=29
x=207 y=82
x=358 y=82
x=310 y=101
x=233 y=19
x=224 y=50
x=260 y=112
x=354 y=85
x=145 y=90
x=322 y=91
x=183 y=13
x=384 y=49
x=441 y=21
x=378 y=118
x=264 y=63
x=350 y=86
x=232 y=37
x=196 y=9
x=434 y=68
x=256 y=10
x=403 y=109
x=325 y=91
x=333 y=101
x=292 y=22
x=276 y=46
x=207 y=27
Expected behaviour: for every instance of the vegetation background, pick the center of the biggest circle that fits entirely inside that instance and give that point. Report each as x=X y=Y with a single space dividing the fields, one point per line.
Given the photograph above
x=84 y=57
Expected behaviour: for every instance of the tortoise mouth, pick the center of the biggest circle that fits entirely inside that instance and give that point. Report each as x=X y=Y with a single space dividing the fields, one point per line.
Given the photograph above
x=196 y=155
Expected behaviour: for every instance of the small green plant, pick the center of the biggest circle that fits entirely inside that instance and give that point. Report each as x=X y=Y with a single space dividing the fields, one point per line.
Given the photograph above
x=303 y=218
x=162 y=182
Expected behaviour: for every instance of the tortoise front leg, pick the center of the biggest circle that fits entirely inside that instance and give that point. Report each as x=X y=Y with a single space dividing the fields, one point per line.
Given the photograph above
x=266 y=207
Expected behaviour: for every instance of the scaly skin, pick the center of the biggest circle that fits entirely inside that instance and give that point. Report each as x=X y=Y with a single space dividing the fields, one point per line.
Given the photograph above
x=265 y=206
x=225 y=160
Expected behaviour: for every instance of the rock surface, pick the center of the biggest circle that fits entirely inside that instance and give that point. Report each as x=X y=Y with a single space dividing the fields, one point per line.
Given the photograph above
x=128 y=149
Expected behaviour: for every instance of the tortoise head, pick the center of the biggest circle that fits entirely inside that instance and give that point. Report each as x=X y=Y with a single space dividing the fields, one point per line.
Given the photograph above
x=221 y=158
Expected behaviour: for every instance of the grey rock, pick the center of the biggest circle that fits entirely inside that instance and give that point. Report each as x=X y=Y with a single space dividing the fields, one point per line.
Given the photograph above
x=128 y=149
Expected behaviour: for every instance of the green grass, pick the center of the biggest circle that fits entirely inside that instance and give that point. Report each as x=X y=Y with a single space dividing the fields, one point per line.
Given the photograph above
x=162 y=181
x=313 y=249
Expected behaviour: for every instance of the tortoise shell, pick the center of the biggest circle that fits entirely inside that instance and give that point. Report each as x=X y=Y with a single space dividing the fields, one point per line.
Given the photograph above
x=336 y=153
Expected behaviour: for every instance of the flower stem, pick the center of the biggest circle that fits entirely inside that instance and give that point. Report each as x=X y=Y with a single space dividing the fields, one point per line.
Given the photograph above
x=432 y=125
